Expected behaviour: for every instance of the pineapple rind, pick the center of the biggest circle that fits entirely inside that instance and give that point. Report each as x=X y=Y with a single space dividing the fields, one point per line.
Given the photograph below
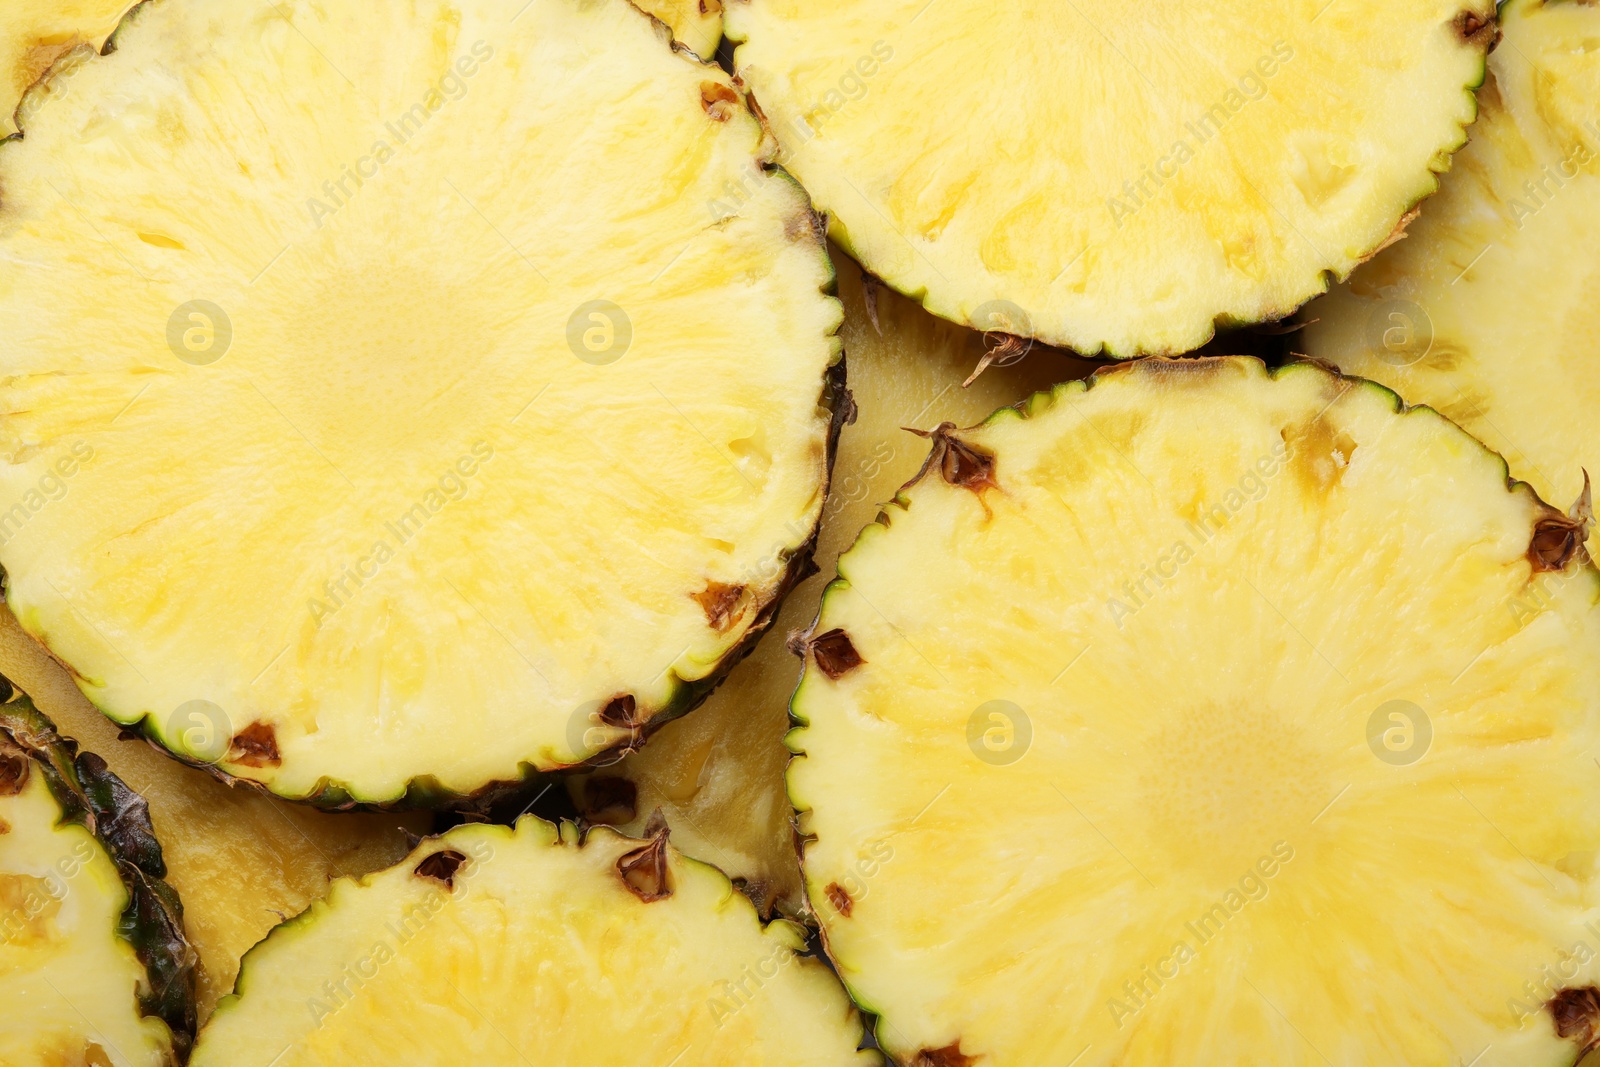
x=130 y=988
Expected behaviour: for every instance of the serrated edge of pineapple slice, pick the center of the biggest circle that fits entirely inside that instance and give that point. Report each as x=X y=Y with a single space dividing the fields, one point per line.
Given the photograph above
x=424 y=792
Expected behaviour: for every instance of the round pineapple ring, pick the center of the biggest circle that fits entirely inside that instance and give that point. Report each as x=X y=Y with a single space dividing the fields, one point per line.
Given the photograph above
x=1125 y=175
x=1214 y=709
x=535 y=945
x=396 y=398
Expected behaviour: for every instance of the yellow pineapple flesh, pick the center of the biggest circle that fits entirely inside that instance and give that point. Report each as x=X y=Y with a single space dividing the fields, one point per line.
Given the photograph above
x=1232 y=711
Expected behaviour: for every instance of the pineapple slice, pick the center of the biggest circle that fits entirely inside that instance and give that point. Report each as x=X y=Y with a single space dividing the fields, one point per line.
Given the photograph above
x=500 y=946
x=36 y=33
x=94 y=969
x=1487 y=311
x=1236 y=712
x=1127 y=174
x=695 y=23
x=717 y=775
x=241 y=861
x=381 y=381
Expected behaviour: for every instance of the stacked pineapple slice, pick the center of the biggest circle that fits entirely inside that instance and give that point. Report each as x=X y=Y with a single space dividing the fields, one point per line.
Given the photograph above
x=1191 y=704
x=535 y=945
x=1224 y=708
x=479 y=497
x=1128 y=175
